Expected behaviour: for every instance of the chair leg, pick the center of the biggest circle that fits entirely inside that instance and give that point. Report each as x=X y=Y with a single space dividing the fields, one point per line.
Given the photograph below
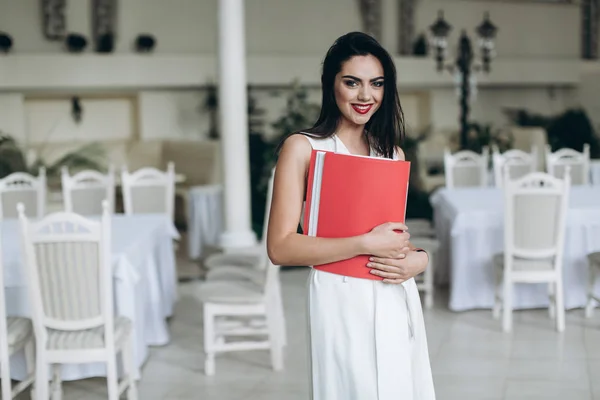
x=507 y=307
x=560 y=307
x=56 y=382
x=273 y=326
x=112 y=379
x=497 y=296
x=428 y=278
x=589 y=308
x=281 y=315
x=552 y=298
x=5 y=374
x=209 y=337
x=129 y=365
x=30 y=362
x=41 y=378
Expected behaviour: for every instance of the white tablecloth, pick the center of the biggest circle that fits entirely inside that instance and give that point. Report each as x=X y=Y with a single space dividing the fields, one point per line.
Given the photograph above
x=469 y=224
x=205 y=218
x=145 y=283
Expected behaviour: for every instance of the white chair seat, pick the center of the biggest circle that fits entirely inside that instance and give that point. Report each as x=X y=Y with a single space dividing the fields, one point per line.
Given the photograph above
x=89 y=338
x=246 y=258
x=256 y=276
x=420 y=227
x=229 y=293
x=19 y=329
x=520 y=265
x=594 y=258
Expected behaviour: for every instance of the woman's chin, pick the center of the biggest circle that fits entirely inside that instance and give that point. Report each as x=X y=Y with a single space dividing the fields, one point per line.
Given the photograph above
x=361 y=119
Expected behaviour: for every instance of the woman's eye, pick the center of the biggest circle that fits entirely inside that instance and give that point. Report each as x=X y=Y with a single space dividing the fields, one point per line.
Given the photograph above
x=378 y=84
x=351 y=83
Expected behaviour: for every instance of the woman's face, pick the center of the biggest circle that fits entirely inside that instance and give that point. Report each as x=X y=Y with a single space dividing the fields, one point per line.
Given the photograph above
x=358 y=88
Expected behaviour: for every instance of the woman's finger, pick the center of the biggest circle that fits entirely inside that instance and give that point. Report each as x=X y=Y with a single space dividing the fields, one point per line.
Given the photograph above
x=384 y=267
x=386 y=275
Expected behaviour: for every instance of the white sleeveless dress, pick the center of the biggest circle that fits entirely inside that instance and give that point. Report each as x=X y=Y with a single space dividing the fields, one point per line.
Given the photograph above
x=367 y=338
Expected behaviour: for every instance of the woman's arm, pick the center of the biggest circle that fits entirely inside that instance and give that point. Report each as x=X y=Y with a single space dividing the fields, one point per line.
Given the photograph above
x=287 y=247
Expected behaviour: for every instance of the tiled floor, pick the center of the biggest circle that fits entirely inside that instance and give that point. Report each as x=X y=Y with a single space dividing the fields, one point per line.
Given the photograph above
x=471 y=357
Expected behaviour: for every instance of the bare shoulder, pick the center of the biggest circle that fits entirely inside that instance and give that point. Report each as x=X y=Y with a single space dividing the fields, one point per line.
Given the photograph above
x=400 y=153
x=296 y=146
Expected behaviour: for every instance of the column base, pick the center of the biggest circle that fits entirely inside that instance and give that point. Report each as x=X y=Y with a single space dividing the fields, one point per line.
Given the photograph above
x=238 y=239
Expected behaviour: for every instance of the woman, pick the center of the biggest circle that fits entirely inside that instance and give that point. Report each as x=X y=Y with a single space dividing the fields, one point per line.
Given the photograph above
x=367 y=336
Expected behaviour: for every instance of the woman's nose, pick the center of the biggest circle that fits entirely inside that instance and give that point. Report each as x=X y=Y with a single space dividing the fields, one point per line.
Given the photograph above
x=364 y=93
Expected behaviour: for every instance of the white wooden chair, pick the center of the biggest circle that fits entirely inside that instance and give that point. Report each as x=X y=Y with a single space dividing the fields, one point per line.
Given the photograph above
x=579 y=163
x=466 y=168
x=535 y=209
x=251 y=266
x=425 y=280
x=246 y=258
x=21 y=187
x=16 y=334
x=242 y=301
x=69 y=274
x=519 y=163
x=84 y=192
x=149 y=191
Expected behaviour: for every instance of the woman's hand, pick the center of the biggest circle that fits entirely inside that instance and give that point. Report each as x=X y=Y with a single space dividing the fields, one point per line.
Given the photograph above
x=384 y=240
x=398 y=270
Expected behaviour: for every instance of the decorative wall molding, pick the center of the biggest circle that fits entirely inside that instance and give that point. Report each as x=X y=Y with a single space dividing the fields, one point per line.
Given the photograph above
x=124 y=72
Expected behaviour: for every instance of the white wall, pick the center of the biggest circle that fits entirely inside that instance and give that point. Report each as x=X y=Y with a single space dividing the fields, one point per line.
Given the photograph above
x=308 y=27
x=528 y=29
x=301 y=27
x=173 y=115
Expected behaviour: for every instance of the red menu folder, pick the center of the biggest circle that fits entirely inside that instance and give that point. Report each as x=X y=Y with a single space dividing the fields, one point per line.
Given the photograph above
x=349 y=195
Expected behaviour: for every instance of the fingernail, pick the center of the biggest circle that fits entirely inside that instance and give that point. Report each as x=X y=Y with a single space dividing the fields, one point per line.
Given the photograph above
x=369 y=265
x=371 y=259
x=372 y=272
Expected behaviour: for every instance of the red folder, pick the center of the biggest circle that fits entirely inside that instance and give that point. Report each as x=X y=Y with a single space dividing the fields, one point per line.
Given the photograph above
x=349 y=195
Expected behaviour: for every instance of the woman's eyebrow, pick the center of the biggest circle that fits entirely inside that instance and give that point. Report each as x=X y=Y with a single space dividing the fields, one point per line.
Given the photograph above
x=360 y=80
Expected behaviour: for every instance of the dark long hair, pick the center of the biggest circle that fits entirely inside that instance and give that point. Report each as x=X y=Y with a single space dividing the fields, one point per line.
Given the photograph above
x=386 y=126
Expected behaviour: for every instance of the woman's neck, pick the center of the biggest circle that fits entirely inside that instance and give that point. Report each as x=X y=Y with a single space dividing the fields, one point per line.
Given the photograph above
x=352 y=135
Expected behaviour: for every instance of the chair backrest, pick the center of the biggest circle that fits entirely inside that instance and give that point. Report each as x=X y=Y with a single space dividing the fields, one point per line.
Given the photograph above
x=466 y=168
x=149 y=191
x=84 y=192
x=535 y=208
x=272 y=270
x=21 y=187
x=519 y=164
x=69 y=274
x=4 y=356
x=579 y=162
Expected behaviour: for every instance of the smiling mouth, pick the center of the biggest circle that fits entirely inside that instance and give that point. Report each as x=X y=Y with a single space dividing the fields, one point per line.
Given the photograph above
x=362 y=108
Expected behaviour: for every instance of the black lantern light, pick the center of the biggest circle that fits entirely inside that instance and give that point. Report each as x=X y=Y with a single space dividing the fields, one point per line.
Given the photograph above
x=464 y=65
x=440 y=31
x=487 y=33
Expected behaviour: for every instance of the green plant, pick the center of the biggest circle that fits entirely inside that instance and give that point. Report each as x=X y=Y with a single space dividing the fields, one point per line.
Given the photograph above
x=417 y=202
x=480 y=135
x=299 y=113
x=571 y=128
x=12 y=159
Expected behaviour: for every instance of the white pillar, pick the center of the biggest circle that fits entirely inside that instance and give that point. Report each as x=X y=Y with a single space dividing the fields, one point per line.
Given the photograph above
x=234 y=126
